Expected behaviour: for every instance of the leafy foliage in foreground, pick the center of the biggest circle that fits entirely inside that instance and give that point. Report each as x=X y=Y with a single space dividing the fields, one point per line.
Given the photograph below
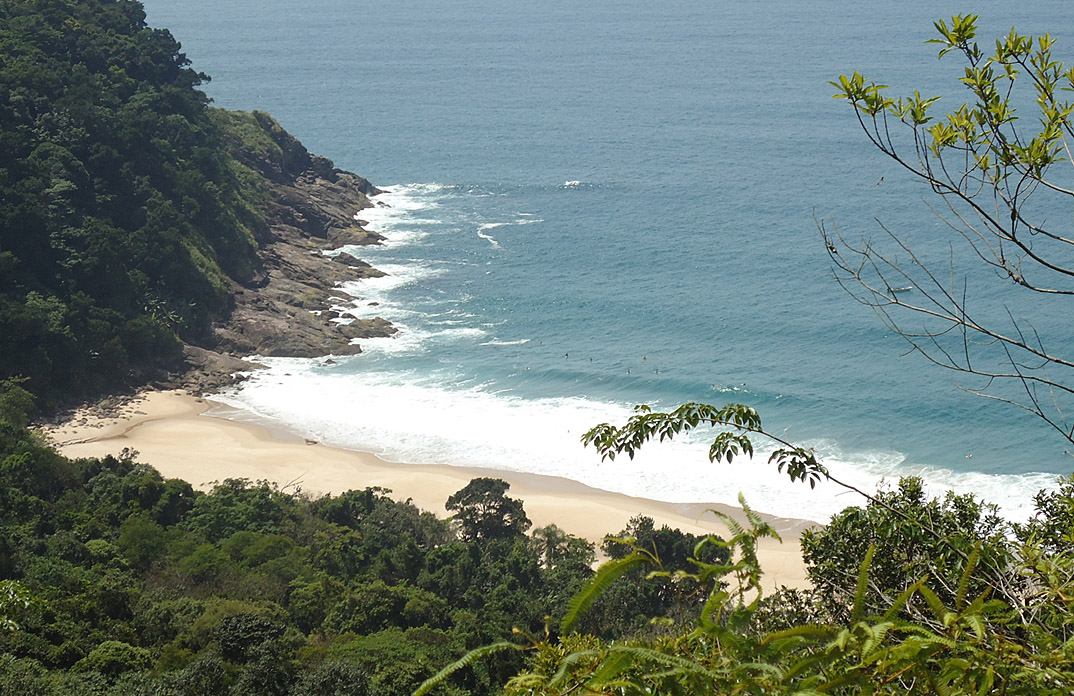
x=911 y=596
x=736 y=423
x=944 y=535
x=915 y=642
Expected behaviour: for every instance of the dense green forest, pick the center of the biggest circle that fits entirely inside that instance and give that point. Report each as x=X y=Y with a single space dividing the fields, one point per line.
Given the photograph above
x=124 y=227
x=123 y=220
x=115 y=581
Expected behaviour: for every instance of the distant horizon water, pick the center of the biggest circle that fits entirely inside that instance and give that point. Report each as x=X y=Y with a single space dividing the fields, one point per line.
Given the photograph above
x=588 y=208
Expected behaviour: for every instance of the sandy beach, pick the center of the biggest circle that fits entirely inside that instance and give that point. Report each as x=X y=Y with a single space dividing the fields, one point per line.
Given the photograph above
x=178 y=435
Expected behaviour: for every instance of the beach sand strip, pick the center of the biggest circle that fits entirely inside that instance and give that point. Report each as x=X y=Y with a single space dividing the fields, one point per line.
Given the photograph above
x=177 y=434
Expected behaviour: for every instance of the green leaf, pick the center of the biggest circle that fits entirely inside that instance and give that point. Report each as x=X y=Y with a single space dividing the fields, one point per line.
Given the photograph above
x=967 y=576
x=609 y=669
x=597 y=585
x=465 y=661
x=863 y=584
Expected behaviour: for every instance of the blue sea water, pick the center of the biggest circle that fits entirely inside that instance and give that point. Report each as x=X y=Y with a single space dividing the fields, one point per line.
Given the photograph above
x=592 y=205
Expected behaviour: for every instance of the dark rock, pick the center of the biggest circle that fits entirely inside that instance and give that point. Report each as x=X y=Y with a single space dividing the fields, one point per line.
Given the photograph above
x=206 y=371
x=282 y=308
x=355 y=235
x=310 y=205
x=344 y=257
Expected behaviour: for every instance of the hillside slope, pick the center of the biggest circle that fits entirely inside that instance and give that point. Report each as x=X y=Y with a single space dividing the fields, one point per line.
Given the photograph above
x=135 y=219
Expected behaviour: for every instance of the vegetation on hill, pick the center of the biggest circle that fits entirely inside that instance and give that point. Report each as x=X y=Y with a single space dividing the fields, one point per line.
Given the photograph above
x=123 y=219
x=135 y=584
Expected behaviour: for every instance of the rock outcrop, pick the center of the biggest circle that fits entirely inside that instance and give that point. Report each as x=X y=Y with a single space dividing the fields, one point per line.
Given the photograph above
x=308 y=208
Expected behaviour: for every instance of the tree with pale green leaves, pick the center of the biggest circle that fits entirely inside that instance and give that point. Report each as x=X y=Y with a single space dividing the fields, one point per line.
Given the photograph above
x=1000 y=165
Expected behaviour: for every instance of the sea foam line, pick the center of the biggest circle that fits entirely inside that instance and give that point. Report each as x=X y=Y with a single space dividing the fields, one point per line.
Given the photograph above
x=434 y=418
x=440 y=419
x=395 y=210
x=487 y=237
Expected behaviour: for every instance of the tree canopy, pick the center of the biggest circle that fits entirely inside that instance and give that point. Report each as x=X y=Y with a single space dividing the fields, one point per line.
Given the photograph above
x=484 y=512
x=117 y=581
x=122 y=220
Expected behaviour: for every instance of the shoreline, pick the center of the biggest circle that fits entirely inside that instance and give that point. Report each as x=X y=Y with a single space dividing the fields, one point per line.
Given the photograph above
x=178 y=435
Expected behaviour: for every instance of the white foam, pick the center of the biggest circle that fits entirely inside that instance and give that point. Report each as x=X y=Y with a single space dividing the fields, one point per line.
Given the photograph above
x=402 y=198
x=448 y=418
x=487 y=237
x=485 y=227
x=412 y=340
x=445 y=419
x=394 y=213
x=396 y=276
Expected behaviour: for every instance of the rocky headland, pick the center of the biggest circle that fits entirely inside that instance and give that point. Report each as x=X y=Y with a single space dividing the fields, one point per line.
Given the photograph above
x=304 y=210
x=286 y=309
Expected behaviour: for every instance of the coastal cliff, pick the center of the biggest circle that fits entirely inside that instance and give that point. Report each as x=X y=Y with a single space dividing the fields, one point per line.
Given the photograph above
x=146 y=237
x=287 y=307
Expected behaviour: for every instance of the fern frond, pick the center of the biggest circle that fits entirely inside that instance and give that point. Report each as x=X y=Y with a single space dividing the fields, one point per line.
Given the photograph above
x=937 y=606
x=679 y=665
x=874 y=640
x=567 y=663
x=845 y=678
x=464 y=661
x=716 y=601
x=900 y=602
x=863 y=584
x=977 y=625
x=967 y=574
x=609 y=669
x=732 y=525
x=763 y=667
x=800 y=631
x=808 y=662
x=596 y=585
x=760 y=527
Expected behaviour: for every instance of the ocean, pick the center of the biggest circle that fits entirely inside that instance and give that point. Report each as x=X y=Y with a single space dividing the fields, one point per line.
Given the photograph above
x=595 y=205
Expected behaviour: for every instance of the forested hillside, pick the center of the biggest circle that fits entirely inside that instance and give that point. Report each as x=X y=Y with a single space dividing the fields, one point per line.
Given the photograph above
x=133 y=215
x=122 y=217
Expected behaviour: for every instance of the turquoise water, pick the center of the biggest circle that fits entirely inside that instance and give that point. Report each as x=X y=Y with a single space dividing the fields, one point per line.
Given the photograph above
x=595 y=205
